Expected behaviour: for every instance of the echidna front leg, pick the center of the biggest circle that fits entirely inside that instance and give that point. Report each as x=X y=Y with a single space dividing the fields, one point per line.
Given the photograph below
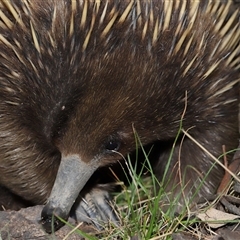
x=96 y=207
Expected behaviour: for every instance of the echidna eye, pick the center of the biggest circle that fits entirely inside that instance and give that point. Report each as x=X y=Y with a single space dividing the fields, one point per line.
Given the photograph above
x=112 y=145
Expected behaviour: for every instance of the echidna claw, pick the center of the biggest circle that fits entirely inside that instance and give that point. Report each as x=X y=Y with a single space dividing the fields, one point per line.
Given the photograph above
x=96 y=208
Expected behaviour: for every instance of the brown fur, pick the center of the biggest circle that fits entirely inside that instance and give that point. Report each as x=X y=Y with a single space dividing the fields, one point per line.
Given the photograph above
x=62 y=99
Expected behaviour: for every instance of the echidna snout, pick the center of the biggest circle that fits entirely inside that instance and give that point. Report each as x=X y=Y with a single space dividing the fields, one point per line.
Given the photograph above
x=72 y=175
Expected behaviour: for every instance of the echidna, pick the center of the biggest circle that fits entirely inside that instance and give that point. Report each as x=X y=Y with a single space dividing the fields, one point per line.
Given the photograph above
x=79 y=78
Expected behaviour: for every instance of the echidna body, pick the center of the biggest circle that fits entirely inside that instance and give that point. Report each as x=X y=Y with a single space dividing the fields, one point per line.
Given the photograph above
x=79 y=78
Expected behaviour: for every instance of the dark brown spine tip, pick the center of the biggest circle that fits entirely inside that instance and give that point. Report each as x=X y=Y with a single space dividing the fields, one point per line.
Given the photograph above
x=50 y=218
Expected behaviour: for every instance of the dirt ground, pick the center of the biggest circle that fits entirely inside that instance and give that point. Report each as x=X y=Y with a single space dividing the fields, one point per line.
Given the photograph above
x=24 y=225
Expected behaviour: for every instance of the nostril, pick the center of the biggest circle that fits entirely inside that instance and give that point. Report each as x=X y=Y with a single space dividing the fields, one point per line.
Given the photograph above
x=50 y=220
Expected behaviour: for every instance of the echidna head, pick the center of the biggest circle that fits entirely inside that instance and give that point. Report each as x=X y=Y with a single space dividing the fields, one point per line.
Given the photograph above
x=101 y=128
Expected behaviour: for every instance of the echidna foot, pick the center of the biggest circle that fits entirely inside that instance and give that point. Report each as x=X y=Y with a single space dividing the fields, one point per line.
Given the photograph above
x=96 y=208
